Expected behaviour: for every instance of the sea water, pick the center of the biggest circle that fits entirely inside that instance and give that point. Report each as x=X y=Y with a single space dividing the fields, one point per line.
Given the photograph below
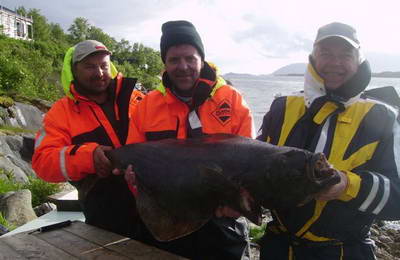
x=259 y=93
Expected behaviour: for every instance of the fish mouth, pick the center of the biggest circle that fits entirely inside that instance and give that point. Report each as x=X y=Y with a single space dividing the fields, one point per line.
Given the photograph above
x=320 y=171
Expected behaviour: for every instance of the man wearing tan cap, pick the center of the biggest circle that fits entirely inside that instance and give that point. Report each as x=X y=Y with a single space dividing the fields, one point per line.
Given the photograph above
x=357 y=134
x=91 y=118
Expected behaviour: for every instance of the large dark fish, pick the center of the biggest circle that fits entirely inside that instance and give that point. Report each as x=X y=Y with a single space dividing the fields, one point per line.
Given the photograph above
x=182 y=182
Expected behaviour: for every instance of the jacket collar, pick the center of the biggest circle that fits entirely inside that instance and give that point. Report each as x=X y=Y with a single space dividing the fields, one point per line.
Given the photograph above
x=204 y=88
x=346 y=94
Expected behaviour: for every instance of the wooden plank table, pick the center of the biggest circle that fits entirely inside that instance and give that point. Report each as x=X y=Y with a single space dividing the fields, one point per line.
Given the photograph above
x=78 y=241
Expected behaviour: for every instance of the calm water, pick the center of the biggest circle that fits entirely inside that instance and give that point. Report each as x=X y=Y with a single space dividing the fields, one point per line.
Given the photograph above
x=259 y=94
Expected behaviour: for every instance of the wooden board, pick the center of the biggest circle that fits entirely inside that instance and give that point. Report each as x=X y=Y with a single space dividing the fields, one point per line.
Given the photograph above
x=78 y=241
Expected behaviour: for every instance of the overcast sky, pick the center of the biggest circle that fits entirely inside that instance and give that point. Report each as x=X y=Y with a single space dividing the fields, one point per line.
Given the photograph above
x=244 y=36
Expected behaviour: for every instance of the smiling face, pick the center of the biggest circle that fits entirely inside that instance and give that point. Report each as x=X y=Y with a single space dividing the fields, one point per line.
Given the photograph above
x=336 y=61
x=93 y=75
x=183 y=65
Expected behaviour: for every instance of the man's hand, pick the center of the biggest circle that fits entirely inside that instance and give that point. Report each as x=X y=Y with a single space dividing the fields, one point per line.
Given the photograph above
x=101 y=163
x=335 y=191
x=225 y=211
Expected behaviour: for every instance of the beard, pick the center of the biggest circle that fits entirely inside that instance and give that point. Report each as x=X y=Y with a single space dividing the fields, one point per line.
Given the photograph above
x=92 y=87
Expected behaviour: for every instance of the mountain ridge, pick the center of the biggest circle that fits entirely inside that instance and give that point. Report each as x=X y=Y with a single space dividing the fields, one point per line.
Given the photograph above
x=298 y=69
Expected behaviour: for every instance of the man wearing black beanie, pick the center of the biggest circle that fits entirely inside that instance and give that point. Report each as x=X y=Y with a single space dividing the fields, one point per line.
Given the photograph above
x=177 y=33
x=191 y=101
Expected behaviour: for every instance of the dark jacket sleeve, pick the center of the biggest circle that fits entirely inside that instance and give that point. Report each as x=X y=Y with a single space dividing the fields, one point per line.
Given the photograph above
x=379 y=192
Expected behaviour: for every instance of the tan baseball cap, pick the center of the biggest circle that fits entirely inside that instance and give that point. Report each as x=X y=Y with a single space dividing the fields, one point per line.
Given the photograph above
x=85 y=48
x=340 y=30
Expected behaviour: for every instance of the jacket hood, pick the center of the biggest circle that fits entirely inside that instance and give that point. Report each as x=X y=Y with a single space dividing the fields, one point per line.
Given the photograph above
x=66 y=73
x=314 y=86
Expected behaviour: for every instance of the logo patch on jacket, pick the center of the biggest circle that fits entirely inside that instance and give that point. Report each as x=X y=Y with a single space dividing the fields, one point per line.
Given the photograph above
x=223 y=113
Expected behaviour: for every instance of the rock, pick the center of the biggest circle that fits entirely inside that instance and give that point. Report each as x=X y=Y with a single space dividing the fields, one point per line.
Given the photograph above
x=11 y=159
x=385 y=239
x=16 y=207
x=24 y=116
x=44 y=208
x=17 y=174
x=42 y=105
x=385 y=234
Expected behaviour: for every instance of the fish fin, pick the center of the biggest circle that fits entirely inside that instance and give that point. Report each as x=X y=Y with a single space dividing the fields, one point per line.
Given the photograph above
x=163 y=225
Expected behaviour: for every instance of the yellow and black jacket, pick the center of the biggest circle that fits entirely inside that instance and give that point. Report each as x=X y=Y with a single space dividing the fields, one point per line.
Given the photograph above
x=358 y=136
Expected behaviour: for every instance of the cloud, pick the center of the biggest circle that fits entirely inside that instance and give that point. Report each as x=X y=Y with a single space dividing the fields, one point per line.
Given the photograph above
x=272 y=40
x=100 y=13
x=252 y=36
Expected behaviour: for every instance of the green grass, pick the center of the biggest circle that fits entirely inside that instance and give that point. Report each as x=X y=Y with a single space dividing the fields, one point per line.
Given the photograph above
x=6 y=184
x=7 y=129
x=5 y=223
x=6 y=101
x=40 y=189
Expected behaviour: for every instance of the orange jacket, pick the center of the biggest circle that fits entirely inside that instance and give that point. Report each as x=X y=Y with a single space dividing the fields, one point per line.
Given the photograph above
x=162 y=115
x=73 y=128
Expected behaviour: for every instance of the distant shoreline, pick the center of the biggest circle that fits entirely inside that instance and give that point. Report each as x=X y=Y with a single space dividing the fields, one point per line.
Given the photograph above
x=265 y=76
x=375 y=75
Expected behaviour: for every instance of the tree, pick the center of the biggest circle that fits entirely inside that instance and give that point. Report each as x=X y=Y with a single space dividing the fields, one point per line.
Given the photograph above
x=97 y=34
x=79 y=29
x=21 y=11
x=41 y=29
x=57 y=33
x=141 y=62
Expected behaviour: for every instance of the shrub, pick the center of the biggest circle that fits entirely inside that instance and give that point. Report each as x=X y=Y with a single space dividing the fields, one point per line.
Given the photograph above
x=40 y=189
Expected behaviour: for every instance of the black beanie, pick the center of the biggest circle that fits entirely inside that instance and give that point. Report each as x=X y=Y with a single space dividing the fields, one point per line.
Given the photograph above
x=179 y=32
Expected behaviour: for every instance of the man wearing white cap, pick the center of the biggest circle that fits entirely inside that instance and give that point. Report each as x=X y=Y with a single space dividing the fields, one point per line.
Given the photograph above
x=91 y=118
x=358 y=135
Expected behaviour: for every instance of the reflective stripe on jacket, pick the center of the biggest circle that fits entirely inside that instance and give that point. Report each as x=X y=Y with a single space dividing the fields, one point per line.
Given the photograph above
x=361 y=139
x=73 y=128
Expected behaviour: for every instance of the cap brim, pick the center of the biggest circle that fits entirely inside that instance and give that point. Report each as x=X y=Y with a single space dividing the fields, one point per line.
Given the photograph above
x=353 y=43
x=90 y=53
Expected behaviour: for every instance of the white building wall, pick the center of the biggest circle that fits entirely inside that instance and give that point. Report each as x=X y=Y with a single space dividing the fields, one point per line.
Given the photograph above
x=15 y=25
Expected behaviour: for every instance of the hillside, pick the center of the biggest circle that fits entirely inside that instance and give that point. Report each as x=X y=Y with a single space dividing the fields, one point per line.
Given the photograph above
x=31 y=69
x=291 y=69
x=387 y=74
x=232 y=75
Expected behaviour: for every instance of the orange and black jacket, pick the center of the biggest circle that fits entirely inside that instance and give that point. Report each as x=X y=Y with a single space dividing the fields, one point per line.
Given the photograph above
x=215 y=108
x=74 y=127
x=359 y=137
